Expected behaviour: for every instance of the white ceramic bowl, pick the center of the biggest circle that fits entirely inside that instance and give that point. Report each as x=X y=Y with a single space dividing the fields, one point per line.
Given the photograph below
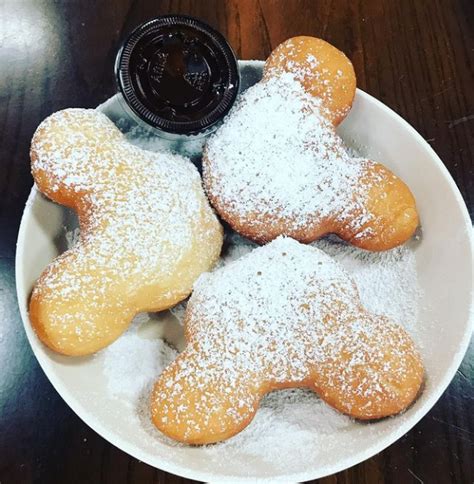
x=445 y=272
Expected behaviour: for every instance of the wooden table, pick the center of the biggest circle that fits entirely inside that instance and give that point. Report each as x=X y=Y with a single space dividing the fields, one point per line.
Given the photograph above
x=416 y=56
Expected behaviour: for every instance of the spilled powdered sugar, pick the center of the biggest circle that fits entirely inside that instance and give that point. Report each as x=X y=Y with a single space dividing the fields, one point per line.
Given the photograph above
x=132 y=359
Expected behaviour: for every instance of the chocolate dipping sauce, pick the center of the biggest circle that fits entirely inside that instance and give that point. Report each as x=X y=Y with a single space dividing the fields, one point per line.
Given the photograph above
x=178 y=76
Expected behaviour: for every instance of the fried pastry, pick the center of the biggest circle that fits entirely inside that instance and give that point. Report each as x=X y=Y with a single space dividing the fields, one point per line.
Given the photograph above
x=285 y=315
x=147 y=231
x=277 y=166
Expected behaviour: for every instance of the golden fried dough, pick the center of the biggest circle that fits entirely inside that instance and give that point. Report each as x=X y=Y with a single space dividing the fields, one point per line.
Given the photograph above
x=277 y=167
x=147 y=231
x=285 y=315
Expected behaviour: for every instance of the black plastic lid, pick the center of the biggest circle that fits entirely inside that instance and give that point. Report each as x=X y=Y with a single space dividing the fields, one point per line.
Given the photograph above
x=177 y=74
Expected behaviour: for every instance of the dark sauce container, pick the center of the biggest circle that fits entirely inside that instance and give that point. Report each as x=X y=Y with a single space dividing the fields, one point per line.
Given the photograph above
x=178 y=78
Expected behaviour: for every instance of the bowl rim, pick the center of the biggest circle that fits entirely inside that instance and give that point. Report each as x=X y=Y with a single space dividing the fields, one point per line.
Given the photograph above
x=89 y=419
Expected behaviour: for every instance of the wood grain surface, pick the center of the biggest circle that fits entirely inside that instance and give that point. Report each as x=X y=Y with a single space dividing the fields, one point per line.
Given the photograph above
x=416 y=56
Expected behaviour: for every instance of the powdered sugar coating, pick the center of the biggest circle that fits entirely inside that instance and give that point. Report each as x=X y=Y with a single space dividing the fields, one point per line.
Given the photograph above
x=147 y=230
x=277 y=160
x=387 y=281
x=258 y=299
x=283 y=315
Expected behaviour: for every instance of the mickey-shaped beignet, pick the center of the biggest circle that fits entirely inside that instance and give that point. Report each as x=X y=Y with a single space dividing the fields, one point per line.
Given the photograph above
x=285 y=315
x=277 y=166
x=147 y=231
